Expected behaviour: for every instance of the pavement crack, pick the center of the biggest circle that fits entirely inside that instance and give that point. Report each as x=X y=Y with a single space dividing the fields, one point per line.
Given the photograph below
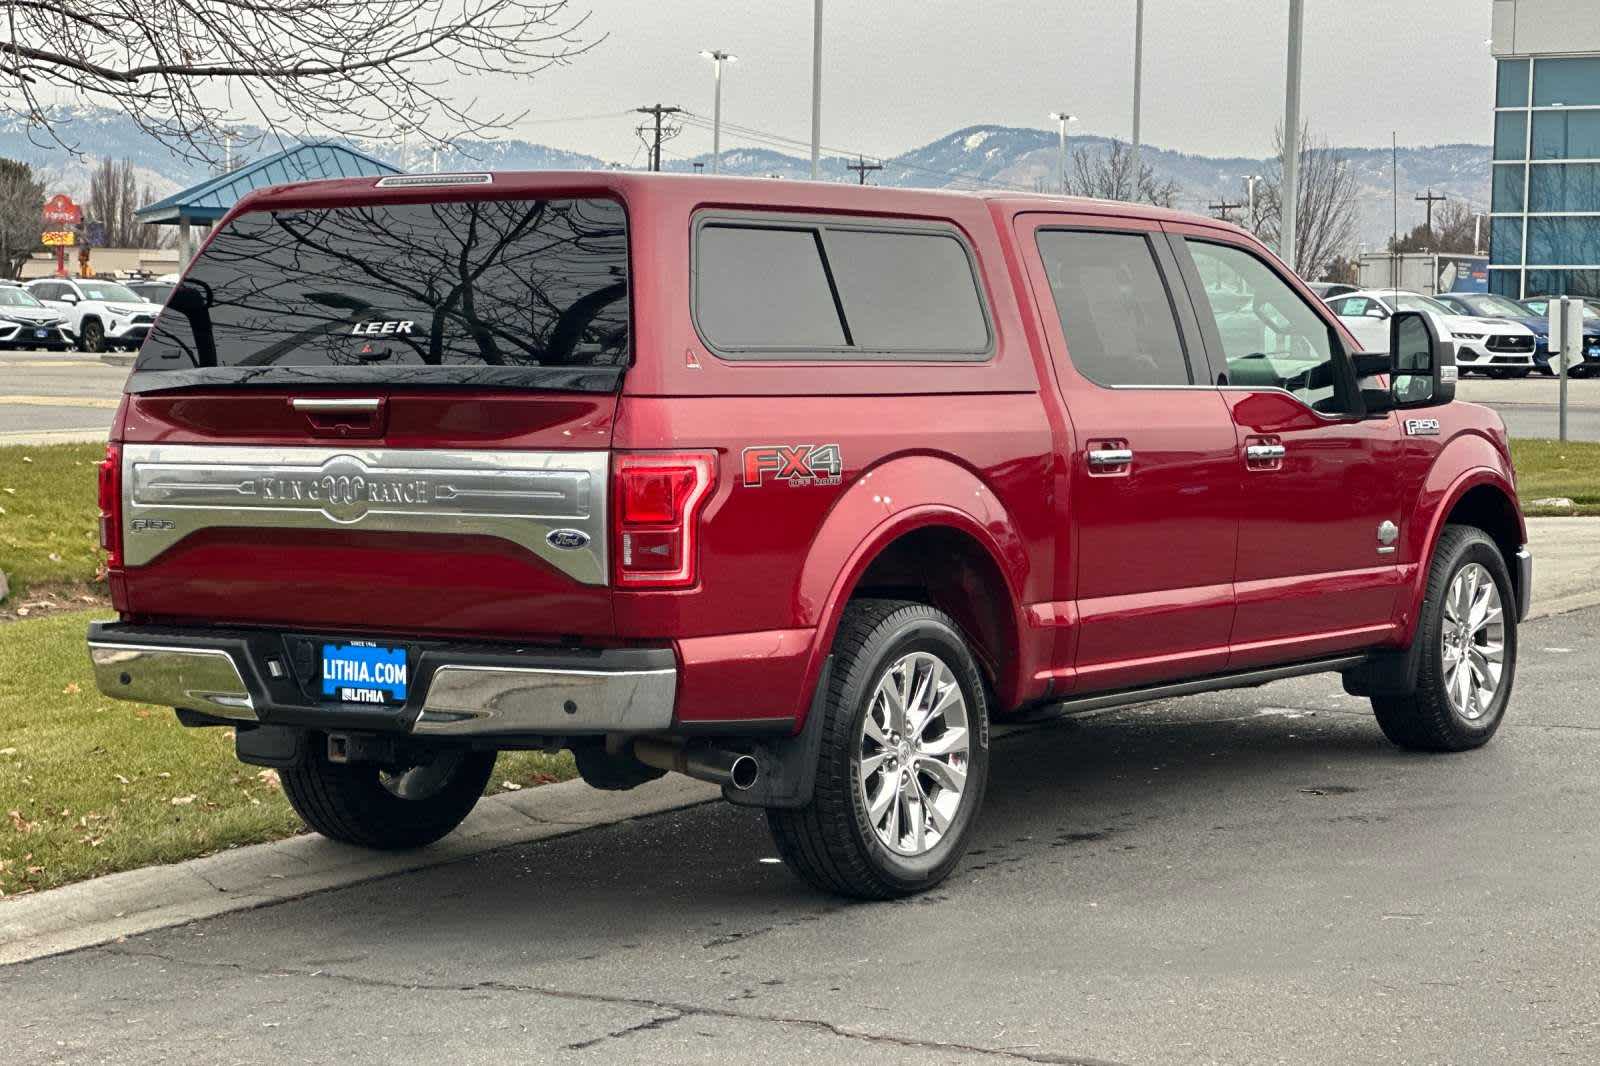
x=660 y=1021
x=671 y=1011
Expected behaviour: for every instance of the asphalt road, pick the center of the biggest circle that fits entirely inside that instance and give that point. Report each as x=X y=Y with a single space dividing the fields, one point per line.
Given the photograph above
x=1252 y=877
x=38 y=390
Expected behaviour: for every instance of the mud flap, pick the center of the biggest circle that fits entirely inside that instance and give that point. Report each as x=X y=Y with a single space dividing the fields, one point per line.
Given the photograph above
x=789 y=765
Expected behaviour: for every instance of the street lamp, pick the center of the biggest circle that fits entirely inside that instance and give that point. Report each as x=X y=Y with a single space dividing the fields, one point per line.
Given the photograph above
x=1289 y=195
x=1063 y=118
x=1250 y=184
x=1138 y=79
x=816 y=88
x=717 y=58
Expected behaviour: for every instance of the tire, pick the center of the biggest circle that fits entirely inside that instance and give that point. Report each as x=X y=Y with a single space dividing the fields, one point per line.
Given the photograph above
x=351 y=803
x=835 y=842
x=92 y=336
x=1430 y=718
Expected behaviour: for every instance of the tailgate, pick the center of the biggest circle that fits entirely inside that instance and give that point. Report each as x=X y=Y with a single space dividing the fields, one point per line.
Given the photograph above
x=504 y=538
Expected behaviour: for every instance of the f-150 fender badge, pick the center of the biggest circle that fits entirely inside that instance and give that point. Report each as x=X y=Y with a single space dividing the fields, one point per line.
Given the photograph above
x=1422 y=427
x=567 y=539
x=794 y=464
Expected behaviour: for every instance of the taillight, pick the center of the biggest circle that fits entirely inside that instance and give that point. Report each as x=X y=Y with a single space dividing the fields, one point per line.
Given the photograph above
x=656 y=502
x=111 y=505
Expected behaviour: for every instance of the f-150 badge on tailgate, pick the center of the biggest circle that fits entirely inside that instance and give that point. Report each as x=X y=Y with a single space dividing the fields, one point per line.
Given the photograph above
x=796 y=464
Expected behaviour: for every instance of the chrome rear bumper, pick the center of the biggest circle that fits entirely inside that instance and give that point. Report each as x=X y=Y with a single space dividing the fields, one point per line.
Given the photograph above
x=465 y=691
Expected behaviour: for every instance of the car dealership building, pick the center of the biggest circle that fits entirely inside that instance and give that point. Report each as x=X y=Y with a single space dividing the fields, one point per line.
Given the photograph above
x=1544 y=235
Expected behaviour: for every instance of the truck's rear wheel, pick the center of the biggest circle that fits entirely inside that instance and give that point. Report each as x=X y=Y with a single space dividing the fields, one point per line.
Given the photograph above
x=388 y=807
x=904 y=759
x=1468 y=635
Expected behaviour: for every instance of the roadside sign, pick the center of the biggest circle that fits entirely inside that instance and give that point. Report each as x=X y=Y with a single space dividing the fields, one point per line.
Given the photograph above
x=60 y=209
x=59 y=238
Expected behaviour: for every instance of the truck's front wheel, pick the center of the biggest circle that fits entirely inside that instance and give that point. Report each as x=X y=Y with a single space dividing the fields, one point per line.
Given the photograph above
x=904 y=760
x=388 y=807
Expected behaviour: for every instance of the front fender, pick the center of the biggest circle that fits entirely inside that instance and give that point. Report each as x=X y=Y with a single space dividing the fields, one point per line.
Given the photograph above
x=1463 y=464
x=898 y=497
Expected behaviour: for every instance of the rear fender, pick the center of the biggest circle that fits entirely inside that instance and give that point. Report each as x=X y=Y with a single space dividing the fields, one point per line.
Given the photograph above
x=900 y=497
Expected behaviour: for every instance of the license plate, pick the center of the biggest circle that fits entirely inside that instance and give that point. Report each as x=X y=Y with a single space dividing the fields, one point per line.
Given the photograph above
x=363 y=672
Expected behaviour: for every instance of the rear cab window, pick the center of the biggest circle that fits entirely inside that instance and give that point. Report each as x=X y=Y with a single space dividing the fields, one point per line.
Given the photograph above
x=782 y=288
x=513 y=292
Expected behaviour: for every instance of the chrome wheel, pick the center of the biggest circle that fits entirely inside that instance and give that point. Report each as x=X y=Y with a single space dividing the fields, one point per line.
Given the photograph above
x=1473 y=639
x=913 y=752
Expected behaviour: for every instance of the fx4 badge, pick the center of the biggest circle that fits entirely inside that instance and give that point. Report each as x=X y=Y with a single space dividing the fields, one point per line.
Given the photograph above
x=1422 y=427
x=795 y=464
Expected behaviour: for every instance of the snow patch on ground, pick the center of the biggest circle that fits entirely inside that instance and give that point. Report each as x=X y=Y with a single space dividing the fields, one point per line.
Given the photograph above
x=973 y=141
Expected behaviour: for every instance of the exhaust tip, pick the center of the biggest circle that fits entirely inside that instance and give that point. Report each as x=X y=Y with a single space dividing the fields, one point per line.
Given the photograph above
x=743 y=773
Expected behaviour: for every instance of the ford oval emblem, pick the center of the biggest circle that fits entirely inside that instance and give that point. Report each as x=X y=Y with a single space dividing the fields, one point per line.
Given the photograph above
x=567 y=539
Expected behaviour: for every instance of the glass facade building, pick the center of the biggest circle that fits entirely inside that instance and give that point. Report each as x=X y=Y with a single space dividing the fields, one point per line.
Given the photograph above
x=1544 y=229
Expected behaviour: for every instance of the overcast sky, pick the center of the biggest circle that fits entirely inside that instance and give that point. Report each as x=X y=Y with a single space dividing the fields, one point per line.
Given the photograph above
x=898 y=73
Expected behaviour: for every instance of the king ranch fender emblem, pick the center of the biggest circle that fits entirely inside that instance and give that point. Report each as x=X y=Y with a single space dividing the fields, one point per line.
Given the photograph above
x=797 y=465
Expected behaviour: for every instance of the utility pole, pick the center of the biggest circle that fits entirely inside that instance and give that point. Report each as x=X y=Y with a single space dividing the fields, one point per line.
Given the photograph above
x=816 y=88
x=1138 y=80
x=657 y=111
x=861 y=166
x=1431 y=199
x=1290 y=196
x=1063 y=118
x=1223 y=207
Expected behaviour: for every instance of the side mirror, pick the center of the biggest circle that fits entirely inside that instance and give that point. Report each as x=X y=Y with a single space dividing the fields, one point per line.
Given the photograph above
x=1422 y=366
x=69 y=297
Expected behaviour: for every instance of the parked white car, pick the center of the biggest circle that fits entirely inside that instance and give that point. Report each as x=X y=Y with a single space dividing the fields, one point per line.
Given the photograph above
x=1491 y=346
x=100 y=314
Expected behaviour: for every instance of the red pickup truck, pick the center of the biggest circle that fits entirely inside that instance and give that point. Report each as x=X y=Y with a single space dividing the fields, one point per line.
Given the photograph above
x=791 y=487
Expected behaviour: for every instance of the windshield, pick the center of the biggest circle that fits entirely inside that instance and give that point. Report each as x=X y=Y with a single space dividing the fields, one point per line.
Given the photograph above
x=1494 y=306
x=497 y=283
x=1410 y=301
x=12 y=297
x=105 y=290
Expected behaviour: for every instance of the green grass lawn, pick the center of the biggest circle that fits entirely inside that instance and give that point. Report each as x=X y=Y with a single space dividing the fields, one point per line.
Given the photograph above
x=48 y=532
x=90 y=785
x=1547 y=468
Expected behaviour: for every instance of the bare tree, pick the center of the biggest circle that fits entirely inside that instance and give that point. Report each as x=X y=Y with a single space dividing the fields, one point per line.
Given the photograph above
x=21 y=215
x=1107 y=176
x=115 y=196
x=181 y=68
x=1325 y=221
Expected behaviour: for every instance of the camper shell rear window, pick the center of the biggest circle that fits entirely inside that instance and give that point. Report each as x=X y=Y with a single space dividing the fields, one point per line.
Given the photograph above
x=492 y=293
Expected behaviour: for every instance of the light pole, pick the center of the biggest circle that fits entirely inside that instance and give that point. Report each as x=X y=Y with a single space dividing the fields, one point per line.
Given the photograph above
x=1138 y=79
x=1063 y=118
x=1250 y=184
x=1290 y=197
x=717 y=58
x=816 y=88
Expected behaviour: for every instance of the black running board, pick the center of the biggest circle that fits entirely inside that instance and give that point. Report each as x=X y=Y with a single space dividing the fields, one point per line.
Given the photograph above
x=1172 y=689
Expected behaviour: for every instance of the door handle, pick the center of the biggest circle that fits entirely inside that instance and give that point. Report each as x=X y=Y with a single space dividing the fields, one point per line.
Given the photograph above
x=339 y=405
x=1264 y=453
x=1110 y=457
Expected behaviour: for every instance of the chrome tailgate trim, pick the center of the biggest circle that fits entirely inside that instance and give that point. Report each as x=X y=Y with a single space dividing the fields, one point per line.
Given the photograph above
x=171 y=491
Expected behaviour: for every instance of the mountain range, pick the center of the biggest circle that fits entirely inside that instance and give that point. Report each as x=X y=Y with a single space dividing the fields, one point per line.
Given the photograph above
x=977 y=157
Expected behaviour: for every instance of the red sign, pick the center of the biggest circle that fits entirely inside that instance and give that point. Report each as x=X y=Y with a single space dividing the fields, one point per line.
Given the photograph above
x=61 y=209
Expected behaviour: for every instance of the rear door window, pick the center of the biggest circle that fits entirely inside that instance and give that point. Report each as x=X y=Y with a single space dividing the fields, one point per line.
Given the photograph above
x=780 y=290
x=1116 y=312
x=471 y=292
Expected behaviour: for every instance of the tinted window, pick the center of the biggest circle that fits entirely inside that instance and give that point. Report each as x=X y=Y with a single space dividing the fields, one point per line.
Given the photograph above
x=496 y=283
x=842 y=290
x=907 y=291
x=1270 y=336
x=1115 y=311
x=1566 y=81
x=1505 y=240
x=106 y=291
x=1565 y=135
x=1511 y=135
x=1511 y=83
x=1508 y=185
x=1564 y=187
x=764 y=288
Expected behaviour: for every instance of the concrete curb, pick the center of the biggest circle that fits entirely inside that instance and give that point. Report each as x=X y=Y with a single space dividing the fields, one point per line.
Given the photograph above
x=156 y=897
x=1578 y=601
